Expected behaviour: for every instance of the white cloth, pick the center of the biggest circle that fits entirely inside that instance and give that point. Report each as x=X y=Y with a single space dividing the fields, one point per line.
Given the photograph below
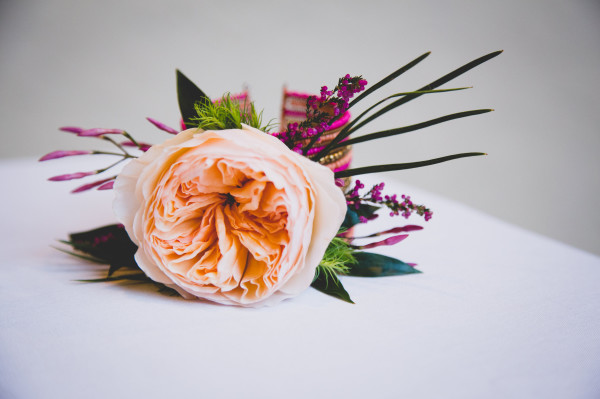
x=499 y=312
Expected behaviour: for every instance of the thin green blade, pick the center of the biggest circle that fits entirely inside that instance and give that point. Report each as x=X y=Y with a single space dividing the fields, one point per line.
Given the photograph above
x=389 y=78
x=410 y=128
x=402 y=166
x=444 y=79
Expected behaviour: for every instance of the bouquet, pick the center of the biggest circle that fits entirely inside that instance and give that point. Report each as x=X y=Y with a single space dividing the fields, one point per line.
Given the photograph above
x=229 y=210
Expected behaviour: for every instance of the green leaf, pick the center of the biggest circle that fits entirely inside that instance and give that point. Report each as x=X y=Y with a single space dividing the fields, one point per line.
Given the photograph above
x=329 y=284
x=410 y=128
x=375 y=265
x=188 y=94
x=402 y=166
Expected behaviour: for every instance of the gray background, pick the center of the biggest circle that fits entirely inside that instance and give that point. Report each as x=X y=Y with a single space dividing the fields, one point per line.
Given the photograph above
x=111 y=63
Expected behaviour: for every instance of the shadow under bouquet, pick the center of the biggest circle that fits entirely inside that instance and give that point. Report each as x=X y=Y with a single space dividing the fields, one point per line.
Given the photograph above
x=227 y=211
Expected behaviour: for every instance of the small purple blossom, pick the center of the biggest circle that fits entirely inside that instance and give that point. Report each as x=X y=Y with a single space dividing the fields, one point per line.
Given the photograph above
x=375 y=197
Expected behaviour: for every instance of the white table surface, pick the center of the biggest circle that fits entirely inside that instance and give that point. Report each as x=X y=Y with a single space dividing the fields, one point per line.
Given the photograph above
x=499 y=312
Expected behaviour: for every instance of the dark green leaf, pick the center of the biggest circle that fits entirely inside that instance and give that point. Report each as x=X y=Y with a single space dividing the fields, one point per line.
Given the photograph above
x=351 y=219
x=375 y=265
x=402 y=166
x=410 y=128
x=109 y=244
x=188 y=94
x=353 y=215
x=331 y=285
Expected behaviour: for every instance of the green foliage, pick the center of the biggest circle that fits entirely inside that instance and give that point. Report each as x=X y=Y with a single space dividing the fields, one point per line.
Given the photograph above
x=331 y=285
x=227 y=113
x=370 y=264
x=337 y=259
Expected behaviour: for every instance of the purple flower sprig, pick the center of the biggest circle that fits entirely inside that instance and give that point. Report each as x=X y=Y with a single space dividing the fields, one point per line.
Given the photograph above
x=375 y=197
x=106 y=135
x=321 y=112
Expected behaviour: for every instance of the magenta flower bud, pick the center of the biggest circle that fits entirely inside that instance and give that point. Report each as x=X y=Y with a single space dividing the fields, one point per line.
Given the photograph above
x=71 y=176
x=99 y=132
x=61 y=154
x=107 y=186
x=403 y=229
x=89 y=186
x=388 y=241
x=162 y=126
x=71 y=129
x=143 y=146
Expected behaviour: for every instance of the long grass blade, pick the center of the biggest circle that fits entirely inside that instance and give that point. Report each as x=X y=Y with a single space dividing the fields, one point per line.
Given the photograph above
x=444 y=79
x=370 y=90
x=389 y=78
x=402 y=166
x=410 y=128
x=317 y=137
x=402 y=94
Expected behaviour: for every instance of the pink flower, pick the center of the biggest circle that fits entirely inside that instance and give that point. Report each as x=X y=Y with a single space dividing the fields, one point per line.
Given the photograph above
x=231 y=216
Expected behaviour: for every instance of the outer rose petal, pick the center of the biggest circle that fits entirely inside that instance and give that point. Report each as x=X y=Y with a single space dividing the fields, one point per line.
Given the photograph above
x=138 y=181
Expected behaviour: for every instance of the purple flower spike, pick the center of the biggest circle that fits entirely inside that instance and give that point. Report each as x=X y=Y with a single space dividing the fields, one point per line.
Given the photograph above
x=162 y=126
x=89 y=186
x=61 y=154
x=107 y=186
x=71 y=129
x=71 y=176
x=99 y=132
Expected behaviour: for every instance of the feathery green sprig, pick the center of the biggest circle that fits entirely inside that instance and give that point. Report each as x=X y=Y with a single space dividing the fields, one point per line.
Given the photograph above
x=337 y=259
x=227 y=113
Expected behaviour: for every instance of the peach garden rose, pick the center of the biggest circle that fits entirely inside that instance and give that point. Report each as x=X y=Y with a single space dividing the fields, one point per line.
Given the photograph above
x=231 y=216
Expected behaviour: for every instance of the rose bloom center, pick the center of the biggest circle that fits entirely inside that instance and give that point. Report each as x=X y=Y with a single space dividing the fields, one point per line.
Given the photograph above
x=219 y=227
